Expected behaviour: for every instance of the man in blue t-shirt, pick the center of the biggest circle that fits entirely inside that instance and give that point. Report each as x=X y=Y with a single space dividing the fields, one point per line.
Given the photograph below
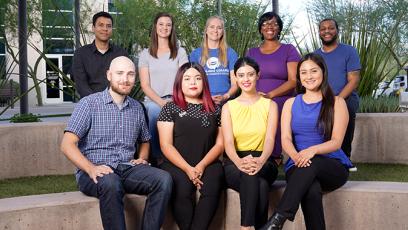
x=343 y=66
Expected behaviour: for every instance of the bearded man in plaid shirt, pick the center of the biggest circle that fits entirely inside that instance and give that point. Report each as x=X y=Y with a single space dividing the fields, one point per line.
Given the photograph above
x=101 y=139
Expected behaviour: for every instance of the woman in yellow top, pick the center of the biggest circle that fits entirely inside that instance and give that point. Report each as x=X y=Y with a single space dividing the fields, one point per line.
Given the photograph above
x=249 y=125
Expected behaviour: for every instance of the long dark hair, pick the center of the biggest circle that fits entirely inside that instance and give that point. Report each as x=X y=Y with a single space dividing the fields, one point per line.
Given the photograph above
x=178 y=95
x=326 y=115
x=154 y=42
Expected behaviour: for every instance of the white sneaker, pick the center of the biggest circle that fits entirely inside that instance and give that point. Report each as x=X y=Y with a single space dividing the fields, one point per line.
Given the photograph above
x=353 y=169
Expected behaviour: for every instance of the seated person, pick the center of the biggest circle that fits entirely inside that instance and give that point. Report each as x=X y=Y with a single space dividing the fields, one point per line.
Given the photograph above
x=249 y=125
x=191 y=141
x=101 y=138
x=313 y=127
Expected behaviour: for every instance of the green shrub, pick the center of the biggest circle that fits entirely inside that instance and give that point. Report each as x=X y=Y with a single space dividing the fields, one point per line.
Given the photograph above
x=369 y=104
x=21 y=118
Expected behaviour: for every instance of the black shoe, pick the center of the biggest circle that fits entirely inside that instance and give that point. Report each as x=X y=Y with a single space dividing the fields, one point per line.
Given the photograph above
x=275 y=222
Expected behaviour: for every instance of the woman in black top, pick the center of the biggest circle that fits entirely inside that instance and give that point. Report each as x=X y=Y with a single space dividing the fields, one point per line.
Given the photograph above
x=191 y=141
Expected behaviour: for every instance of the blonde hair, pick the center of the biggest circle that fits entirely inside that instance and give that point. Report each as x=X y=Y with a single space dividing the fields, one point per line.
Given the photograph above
x=222 y=54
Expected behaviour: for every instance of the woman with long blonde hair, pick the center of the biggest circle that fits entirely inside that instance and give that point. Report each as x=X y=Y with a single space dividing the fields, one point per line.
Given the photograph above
x=217 y=59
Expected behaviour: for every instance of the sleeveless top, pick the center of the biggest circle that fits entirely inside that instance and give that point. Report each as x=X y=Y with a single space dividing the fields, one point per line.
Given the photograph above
x=305 y=132
x=249 y=124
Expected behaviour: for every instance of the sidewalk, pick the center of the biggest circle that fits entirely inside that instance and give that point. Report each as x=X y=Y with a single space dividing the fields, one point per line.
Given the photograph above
x=51 y=109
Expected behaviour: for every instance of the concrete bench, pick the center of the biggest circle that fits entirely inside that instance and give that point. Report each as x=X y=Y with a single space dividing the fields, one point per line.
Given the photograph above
x=357 y=205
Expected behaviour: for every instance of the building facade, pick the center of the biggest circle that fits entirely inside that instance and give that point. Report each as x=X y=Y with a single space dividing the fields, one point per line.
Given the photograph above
x=53 y=36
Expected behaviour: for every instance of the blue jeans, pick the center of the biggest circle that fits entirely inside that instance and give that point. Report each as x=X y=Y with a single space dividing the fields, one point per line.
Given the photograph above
x=153 y=111
x=140 y=179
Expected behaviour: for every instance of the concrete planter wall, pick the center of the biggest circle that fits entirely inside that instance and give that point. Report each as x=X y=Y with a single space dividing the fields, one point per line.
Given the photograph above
x=32 y=149
x=381 y=138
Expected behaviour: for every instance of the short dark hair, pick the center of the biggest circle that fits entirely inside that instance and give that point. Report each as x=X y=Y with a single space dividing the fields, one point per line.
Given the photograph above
x=330 y=19
x=101 y=14
x=266 y=17
x=243 y=61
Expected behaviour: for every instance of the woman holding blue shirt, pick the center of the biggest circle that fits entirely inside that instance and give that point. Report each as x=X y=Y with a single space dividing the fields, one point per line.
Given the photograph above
x=217 y=59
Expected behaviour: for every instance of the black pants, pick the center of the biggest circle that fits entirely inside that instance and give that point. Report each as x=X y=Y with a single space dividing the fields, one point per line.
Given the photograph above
x=352 y=106
x=305 y=186
x=253 y=190
x=187 y=213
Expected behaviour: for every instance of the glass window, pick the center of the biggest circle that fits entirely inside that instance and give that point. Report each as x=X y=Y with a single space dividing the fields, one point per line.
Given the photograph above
x=57 y=18
x=57 y=32
x=58 y=4
x=58 y=21
x=66 y=64
x=111 y=6
x=63 y=46
x=2 y=67
x=2 y=47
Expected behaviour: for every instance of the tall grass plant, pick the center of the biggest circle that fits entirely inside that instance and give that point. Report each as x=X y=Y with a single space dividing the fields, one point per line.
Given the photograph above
x=382 y=104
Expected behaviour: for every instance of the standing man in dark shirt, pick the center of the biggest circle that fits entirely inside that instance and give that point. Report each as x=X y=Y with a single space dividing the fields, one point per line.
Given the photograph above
x=91 y=62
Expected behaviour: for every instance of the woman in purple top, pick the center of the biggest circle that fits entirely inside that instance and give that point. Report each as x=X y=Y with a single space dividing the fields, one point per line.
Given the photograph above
x=277 y=62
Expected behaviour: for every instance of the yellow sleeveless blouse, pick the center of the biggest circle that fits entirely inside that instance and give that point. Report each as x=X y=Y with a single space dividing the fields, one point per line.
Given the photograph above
x=249 y=124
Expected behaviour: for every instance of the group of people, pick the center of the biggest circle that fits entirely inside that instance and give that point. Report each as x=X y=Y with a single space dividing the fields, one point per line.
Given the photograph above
x=211 y=120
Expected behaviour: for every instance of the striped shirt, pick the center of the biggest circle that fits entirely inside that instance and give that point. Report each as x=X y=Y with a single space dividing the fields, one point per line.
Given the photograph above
x=108 y=134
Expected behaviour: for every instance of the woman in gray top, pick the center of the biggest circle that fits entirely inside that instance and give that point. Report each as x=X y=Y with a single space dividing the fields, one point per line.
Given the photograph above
x=158 y=66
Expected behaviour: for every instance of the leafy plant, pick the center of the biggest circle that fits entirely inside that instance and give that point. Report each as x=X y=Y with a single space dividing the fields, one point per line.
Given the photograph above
x=21 y=118
x=134 y=19
x=373 y=29
x=369 y=104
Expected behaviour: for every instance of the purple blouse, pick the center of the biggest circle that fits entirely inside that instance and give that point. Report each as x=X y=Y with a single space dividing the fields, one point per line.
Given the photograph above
x=274 y=73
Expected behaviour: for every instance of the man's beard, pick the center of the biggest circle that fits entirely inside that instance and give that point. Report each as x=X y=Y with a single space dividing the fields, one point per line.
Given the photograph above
x=330 y=42
x=120 y=91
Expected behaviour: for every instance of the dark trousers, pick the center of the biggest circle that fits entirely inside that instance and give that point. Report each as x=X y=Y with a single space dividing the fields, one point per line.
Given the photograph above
x=253 y=190
x=188 y=213
x=305 y=186
x=352 y=106
x=139 y=179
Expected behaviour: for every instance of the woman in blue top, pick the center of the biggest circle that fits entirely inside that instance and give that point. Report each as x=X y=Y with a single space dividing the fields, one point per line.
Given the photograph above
x=217 y=59
x=313 y=128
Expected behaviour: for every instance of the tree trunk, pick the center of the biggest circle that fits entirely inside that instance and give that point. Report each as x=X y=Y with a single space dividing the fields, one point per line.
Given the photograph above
x=275 y=6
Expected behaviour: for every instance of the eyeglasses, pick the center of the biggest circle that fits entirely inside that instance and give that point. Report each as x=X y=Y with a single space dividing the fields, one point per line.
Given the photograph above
x=270 y=23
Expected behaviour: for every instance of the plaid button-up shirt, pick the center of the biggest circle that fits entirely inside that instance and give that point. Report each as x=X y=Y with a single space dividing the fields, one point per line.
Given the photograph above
x=108 y=135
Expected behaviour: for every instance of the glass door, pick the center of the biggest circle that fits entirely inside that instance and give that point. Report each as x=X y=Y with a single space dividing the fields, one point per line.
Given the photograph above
x=53 y=94
x=58 y=90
